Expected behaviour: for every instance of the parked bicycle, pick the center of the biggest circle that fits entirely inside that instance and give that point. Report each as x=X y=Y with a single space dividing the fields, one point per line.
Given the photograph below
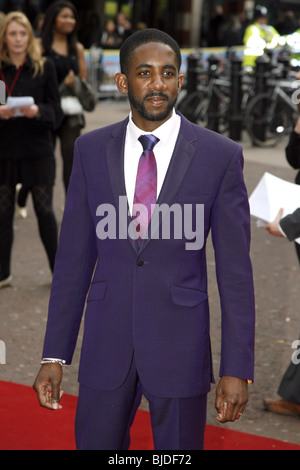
x=197 y=106
x=210 y=104
x=271 y=115
x=225 y=105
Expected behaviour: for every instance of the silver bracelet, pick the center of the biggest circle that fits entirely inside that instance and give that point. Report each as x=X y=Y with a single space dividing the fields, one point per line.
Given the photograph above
x=53 y=361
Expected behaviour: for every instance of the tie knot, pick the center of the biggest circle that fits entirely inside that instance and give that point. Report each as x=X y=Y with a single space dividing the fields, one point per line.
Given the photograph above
x=148 y=141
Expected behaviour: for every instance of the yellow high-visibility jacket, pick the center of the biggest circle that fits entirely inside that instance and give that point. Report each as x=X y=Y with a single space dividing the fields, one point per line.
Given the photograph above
x=257 y=38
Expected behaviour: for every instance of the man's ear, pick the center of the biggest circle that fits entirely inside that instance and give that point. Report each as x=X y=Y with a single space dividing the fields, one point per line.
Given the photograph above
x=121 y=81
x=180 y=81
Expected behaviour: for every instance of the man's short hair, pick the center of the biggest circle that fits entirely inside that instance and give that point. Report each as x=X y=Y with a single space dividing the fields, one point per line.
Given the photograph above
x=142 y=37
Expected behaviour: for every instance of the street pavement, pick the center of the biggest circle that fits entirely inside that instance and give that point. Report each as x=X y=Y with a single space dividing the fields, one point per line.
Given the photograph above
x=23 y=307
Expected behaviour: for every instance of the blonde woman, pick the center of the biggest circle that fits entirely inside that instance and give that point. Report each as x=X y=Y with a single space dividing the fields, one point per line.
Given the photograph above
x=26 y=144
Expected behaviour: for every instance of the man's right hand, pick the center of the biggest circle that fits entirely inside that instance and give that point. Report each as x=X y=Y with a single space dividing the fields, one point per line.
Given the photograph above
x=273 y=227
x=47 y=386
x=297 y=126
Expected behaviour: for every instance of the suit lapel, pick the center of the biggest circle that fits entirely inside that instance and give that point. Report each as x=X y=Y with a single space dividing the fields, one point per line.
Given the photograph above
x=179 y=164
x=115 y=163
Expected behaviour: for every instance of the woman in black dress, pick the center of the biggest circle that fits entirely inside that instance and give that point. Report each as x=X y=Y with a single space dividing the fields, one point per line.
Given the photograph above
x=26 y=144
x=59 y=43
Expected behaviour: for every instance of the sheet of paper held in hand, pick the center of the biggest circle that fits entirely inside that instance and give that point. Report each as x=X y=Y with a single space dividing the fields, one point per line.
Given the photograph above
x=270 y=195
x=17 y=102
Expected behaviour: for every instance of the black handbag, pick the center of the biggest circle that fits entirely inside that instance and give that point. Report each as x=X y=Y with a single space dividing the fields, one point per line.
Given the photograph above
x=85 y=94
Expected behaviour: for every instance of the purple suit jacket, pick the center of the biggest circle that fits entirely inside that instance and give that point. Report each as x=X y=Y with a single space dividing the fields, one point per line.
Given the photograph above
x=151 y=301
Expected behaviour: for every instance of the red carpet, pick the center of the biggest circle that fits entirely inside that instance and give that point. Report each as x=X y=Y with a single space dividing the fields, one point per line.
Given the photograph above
x=24 y=425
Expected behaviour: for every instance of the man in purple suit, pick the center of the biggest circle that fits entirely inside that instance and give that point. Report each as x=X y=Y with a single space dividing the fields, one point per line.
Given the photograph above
x=146 y=326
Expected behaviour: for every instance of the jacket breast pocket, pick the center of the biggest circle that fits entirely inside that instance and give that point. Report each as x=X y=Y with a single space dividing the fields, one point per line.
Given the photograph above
x=186 y=297
x=97 y=291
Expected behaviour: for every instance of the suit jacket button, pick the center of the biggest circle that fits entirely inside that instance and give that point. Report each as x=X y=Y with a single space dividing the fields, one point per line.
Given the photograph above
x=140 y=262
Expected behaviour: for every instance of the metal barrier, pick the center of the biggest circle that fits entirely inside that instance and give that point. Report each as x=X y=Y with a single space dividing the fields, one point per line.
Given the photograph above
x=102 y=66
x=261 y=76
x=94 y=68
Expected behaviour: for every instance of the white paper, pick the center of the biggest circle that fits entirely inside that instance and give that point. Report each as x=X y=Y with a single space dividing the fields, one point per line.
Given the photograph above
x=17 y=102
x=270 y=195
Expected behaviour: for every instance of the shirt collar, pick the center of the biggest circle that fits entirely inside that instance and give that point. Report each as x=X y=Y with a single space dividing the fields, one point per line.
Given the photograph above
x=163 y=132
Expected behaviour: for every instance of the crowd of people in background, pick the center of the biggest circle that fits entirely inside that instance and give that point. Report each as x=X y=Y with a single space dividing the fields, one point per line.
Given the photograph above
x=108 y=34
x=230 y=31
x=255 y=31
x=221 y=30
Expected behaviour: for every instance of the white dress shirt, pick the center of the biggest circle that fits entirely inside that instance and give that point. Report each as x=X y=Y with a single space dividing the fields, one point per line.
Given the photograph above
x=167 y=134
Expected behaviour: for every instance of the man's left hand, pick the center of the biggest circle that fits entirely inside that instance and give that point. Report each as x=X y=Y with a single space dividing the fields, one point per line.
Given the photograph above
x=231 y=398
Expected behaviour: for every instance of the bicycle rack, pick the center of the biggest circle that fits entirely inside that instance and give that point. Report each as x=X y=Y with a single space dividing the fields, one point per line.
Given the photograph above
x=235 y=119
x=213 y=119
x=262 y=69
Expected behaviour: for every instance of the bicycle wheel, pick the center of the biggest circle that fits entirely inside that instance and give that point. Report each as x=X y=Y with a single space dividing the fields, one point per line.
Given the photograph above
x=268 y=120
x=194 y=106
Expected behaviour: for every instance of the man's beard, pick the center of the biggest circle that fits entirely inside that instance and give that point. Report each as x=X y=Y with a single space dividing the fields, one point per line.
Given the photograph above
x=140 y=106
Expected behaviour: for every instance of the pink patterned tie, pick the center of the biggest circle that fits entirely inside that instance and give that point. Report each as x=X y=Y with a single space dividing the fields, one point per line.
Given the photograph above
x=146 y=183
